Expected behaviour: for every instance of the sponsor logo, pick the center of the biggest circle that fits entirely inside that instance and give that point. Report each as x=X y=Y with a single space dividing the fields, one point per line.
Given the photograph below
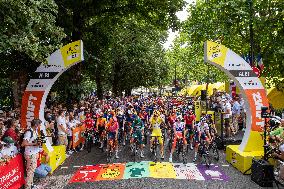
x=250 y=83
x=37 y=85
x=258 y=104
x=30 y=110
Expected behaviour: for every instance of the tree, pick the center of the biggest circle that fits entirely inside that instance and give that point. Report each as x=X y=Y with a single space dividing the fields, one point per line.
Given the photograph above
x=228 y=22
x=94 y=21
x=28 y=35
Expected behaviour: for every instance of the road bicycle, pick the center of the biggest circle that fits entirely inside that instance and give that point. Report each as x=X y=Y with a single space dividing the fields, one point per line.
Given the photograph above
x=154 y=148
x=181 y=149
x=213 y=149
x=110 y=149
x=203 y=152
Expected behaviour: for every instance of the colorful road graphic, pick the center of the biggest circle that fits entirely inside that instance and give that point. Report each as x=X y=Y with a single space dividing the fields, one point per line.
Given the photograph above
x=144 y=169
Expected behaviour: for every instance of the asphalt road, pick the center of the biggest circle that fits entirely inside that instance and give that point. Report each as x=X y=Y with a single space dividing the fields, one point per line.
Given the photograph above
x=63 y=174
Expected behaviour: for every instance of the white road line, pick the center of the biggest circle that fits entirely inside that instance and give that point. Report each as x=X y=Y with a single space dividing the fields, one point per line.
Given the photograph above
x=76 y=166
x=225 y=165
x=64 y=167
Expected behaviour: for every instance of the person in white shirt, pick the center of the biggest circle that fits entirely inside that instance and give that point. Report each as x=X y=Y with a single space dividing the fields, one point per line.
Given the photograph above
x=227 y=109
x=71 y=124
x=62 y=129
x=32 y=149
x=236 y=111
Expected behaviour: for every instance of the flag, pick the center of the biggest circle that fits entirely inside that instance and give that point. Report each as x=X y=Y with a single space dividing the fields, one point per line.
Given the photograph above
x=260 y=64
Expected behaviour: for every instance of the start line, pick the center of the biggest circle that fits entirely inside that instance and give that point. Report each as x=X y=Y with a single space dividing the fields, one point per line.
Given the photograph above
x=147 y=169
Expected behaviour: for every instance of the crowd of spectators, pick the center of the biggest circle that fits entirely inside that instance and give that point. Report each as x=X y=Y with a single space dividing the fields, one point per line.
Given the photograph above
x=232 y=108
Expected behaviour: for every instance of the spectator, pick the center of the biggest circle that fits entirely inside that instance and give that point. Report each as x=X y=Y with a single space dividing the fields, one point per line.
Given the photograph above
x=227 y=116
x=236 y=111
x=62 y=129
x=71 y=124
x=32 y=149
x=11 y=130
x=2 y=128
x=43 y=168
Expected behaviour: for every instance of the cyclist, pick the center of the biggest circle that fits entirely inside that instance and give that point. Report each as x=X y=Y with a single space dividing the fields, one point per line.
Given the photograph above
x=112 y=128
x=189 y=119
x=201 y=133
x=155 y=124
x=101 y=128
x=179 y=133
x=137 y=130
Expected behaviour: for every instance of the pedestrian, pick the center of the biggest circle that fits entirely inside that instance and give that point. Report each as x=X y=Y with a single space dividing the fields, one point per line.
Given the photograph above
x=236 y=111
x=62 y=129
x=32 y=149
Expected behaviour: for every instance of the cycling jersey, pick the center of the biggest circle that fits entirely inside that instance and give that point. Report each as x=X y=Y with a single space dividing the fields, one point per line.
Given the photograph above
x=89 y=123
x=179 y=126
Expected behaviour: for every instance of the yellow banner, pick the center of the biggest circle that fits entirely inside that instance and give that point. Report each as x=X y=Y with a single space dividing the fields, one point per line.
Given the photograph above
x=215 y=52
x=197 y=105
x=72 y=53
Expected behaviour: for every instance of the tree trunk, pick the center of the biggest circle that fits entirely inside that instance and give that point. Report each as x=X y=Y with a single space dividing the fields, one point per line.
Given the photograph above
x=19 y=83
x=128 y=92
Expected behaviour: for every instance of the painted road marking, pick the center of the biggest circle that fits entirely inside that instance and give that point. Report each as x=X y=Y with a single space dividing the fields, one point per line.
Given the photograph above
x=147 y=169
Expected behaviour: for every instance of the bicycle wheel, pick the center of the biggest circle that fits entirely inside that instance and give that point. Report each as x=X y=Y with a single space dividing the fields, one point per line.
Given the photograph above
x=215 y=151
x=206 y=159
x=89 y=144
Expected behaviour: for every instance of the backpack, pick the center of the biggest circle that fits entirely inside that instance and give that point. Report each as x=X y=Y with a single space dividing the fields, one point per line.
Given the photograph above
x=22 y=148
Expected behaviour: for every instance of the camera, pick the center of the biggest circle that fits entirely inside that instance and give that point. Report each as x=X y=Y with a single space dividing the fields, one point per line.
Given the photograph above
x=264 y=112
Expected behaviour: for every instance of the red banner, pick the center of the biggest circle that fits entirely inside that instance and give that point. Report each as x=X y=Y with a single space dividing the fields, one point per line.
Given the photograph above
x=12 y=174
x=257 y=99
x=30 y=107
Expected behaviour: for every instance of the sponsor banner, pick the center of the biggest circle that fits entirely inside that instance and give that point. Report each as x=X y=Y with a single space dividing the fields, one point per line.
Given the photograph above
x=30 y=107
x=243 y=73
x=38 y=84
x=162 y=170
x=78 y=137
x=215 y=53
x=111 y=172
x=257 y=98
x=49 y=68
x=86 y=174
x=44 y=75
x=234 y=62
x=250 y=82
x=197 y=106
x=12 y=174
x=187 y=171
x=136 y=170
x=72 y=53
x=212 y=173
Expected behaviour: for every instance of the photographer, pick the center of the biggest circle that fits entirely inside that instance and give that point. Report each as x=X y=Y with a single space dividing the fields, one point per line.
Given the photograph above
x=32 y=148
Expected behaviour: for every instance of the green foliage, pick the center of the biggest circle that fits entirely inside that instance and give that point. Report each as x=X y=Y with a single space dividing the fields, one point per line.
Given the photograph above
x=228 y=22
x=29 y=27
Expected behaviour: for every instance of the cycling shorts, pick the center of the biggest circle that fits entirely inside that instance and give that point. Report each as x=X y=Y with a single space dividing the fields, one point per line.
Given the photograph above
x=138 y=135
x=179 y=136
x=101 y=129
x=157 y=133
x=111 y=135
x=202 y=137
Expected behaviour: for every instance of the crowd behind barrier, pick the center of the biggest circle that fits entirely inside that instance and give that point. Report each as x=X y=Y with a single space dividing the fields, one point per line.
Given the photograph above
x=65 y=124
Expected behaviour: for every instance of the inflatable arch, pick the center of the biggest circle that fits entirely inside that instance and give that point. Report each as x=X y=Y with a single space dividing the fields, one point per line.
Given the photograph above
x=34 y=98
x=254 y=95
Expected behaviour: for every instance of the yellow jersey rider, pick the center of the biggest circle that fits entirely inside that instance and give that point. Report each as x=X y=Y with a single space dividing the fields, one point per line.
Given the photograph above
x=155 y=125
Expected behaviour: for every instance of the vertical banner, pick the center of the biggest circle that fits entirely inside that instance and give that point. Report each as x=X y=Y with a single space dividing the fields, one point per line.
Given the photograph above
x=197 y=106
x=12 y=174
x=250 y=85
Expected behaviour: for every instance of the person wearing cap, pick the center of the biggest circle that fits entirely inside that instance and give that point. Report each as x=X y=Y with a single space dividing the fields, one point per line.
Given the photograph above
x=32 y=149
